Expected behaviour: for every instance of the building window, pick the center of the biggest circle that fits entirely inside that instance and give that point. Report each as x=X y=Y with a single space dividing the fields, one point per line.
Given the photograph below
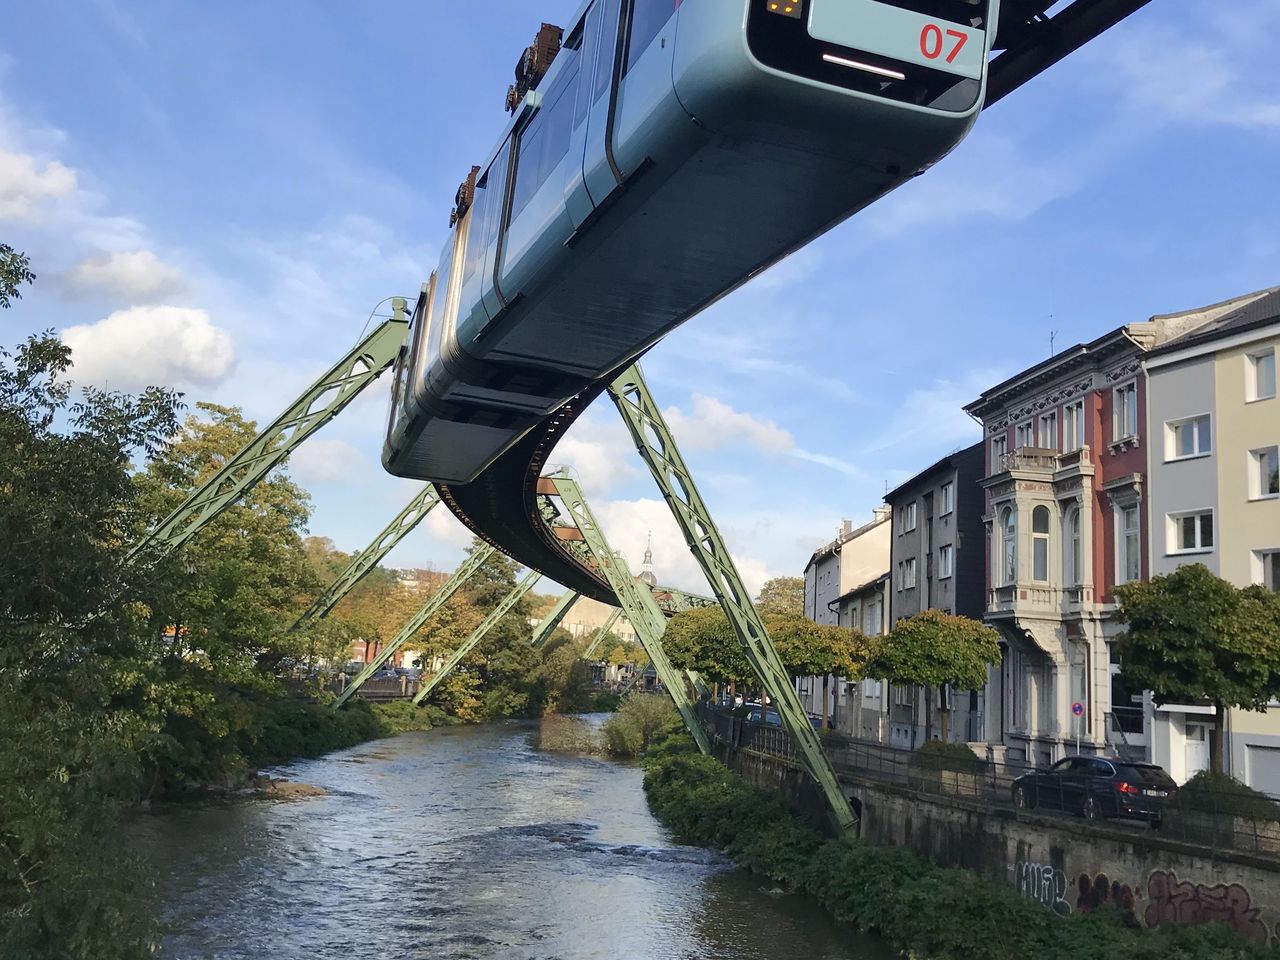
x=1073 y=572
x=946 y=562
x=909 y=573
x=1264 y=473
x=1261 y=375
x=1267 y=569
x=907 y=518
x=1024 y=435
x=1049 y=430
x=1008 y=573
x=948 y=498
x=1129 y=544
x=1191 y=532
x=1040 y=544
x=1073 y=426
x=999 y=450
x=1124 y=412
x=1187 y=438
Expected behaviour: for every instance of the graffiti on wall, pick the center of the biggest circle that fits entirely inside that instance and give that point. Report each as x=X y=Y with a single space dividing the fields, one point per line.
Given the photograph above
x=1173 y=901
x=1044 y=884
x=1094 y=893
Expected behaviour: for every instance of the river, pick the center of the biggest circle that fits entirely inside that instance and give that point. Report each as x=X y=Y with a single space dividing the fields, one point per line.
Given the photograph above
x=461 y=843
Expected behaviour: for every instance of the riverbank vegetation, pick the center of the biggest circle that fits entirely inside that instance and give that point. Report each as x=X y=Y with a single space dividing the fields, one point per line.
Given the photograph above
x=923 y=909
x=627 y=734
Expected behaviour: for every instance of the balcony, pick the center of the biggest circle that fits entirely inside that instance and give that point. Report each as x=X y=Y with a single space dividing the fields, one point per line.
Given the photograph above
x=1023 y=596
x=1046 y=461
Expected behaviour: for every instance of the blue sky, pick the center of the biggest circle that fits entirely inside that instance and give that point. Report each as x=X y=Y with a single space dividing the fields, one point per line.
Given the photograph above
x=217 y=196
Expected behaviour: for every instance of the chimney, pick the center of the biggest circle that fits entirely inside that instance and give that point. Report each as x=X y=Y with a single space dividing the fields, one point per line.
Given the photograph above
x=846 y=528
x=883 y=513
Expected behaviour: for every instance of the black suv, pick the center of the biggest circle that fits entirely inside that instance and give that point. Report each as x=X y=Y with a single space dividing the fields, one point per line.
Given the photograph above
x=1096 y=787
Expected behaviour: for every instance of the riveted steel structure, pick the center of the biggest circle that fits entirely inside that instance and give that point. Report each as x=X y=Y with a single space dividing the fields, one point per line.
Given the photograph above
x=601 y=634
x=371 y=556
x=636 y=599
x=552 y=619
x=465 y=571
x=500 y=611
x=319 y=404
x=658 y=448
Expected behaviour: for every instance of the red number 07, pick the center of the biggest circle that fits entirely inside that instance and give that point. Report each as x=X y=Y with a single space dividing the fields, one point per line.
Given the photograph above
x=931 y=42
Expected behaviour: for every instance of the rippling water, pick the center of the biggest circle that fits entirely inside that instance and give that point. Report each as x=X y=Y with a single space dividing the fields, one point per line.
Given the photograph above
x=465 y=843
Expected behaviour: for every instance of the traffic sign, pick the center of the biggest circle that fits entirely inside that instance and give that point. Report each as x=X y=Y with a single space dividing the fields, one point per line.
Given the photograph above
x=1077 y=709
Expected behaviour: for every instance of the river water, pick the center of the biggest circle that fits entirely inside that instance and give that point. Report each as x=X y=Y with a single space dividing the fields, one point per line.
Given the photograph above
x=465 y=843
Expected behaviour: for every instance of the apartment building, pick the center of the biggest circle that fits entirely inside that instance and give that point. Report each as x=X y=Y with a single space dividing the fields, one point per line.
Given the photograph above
x=865 y=607
x=1067 y=518
x=1214 y=468
x=855 y=558
x=938 y=561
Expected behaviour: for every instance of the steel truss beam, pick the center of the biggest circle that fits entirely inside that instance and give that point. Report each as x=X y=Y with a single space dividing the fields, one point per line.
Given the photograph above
x=658 y=448
x=635 y=598
x=601 y=633
x=552 y=620
x=319 y=404
x=500 y=611
x=370 y=556
x=465 y=571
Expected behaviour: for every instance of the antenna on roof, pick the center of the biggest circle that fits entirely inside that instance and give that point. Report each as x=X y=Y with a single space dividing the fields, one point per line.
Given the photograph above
x=1053 y=335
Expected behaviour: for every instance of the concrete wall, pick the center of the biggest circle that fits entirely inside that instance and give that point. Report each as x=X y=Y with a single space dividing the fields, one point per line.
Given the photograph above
x=1068 y=867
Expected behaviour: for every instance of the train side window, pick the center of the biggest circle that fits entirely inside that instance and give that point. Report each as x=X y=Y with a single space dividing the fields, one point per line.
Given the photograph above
x=648 y=17
x=604 y=49
x=482 y=211
x=544 y=143
x=591 y=43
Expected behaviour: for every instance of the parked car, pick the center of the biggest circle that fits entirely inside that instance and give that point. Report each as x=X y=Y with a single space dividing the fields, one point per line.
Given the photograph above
x=1097 y=787
x=770 y=718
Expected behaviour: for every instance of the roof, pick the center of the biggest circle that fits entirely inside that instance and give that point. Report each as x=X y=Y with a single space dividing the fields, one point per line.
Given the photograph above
x=948 y=460
x=1147 y=337
x=1259 y=310
x=862 y=586
x=835 y=545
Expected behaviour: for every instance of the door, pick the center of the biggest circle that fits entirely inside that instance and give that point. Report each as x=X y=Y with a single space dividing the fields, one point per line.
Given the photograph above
x=1197 y=758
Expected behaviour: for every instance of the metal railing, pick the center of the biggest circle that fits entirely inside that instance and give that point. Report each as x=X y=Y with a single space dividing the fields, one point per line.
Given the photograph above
x=1224 y=819
x=382 y=689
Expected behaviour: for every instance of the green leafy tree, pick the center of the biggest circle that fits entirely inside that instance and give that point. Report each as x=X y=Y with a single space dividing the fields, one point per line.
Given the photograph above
x=703 y=640
x=74 y=644
x=1194 y=636
x=811 y=649
x=781 y=595
x=15 y=270
x=935 y=648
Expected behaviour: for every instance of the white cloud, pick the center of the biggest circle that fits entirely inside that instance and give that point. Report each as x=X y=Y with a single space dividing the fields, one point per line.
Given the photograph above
x=931 y=418
x=138 y=277
x=166 y=346
x=714 y=424
x=325 y=461
x=26 y=185
x=443 y=527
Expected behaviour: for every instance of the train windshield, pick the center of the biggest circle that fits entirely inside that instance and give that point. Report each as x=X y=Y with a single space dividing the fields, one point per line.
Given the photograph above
x=925 y=52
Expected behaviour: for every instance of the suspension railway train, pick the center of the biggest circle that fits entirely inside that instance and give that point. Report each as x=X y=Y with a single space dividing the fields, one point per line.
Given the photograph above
x=672 y=151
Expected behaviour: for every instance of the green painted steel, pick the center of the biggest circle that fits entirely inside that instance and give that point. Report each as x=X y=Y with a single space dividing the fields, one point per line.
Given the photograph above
x=319 y=404
x=465 y=571
x=601 y=633
x=500 y=611
x=673 y=601
x=659 y=450
x=552 y=620
x=371 y=556
x=636 y=599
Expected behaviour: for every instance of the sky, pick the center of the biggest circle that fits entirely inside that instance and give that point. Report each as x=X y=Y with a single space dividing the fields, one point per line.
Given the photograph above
x=218 y=197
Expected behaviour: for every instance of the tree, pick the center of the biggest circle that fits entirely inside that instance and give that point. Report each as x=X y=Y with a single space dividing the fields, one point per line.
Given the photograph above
x=810 y=649
x=1194 y=636
x=15 y=270
x=702 y=639
x=781 y=595
x=935 y=648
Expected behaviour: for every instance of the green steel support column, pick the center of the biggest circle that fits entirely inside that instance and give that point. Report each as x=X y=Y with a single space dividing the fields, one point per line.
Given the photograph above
x=658 y=448
x=636 y=599
x=599 y=637
x=500 y=611
x=548 y=625
x=371 y=556
x=438 y=599
x=321 y=402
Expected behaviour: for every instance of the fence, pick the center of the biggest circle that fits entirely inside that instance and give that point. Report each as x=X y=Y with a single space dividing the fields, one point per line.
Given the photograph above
x=1231 y=819
x=382 y=689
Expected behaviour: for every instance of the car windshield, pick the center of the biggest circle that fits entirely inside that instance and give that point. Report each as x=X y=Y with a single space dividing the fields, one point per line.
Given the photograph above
x=1145 y=773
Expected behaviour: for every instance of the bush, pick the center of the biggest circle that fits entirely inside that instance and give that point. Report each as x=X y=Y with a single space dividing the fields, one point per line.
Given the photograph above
x=561 y=734
x=925 y=910
x=629 y=731
x=1218 y=793
x=936 y=755
x=605 y=701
